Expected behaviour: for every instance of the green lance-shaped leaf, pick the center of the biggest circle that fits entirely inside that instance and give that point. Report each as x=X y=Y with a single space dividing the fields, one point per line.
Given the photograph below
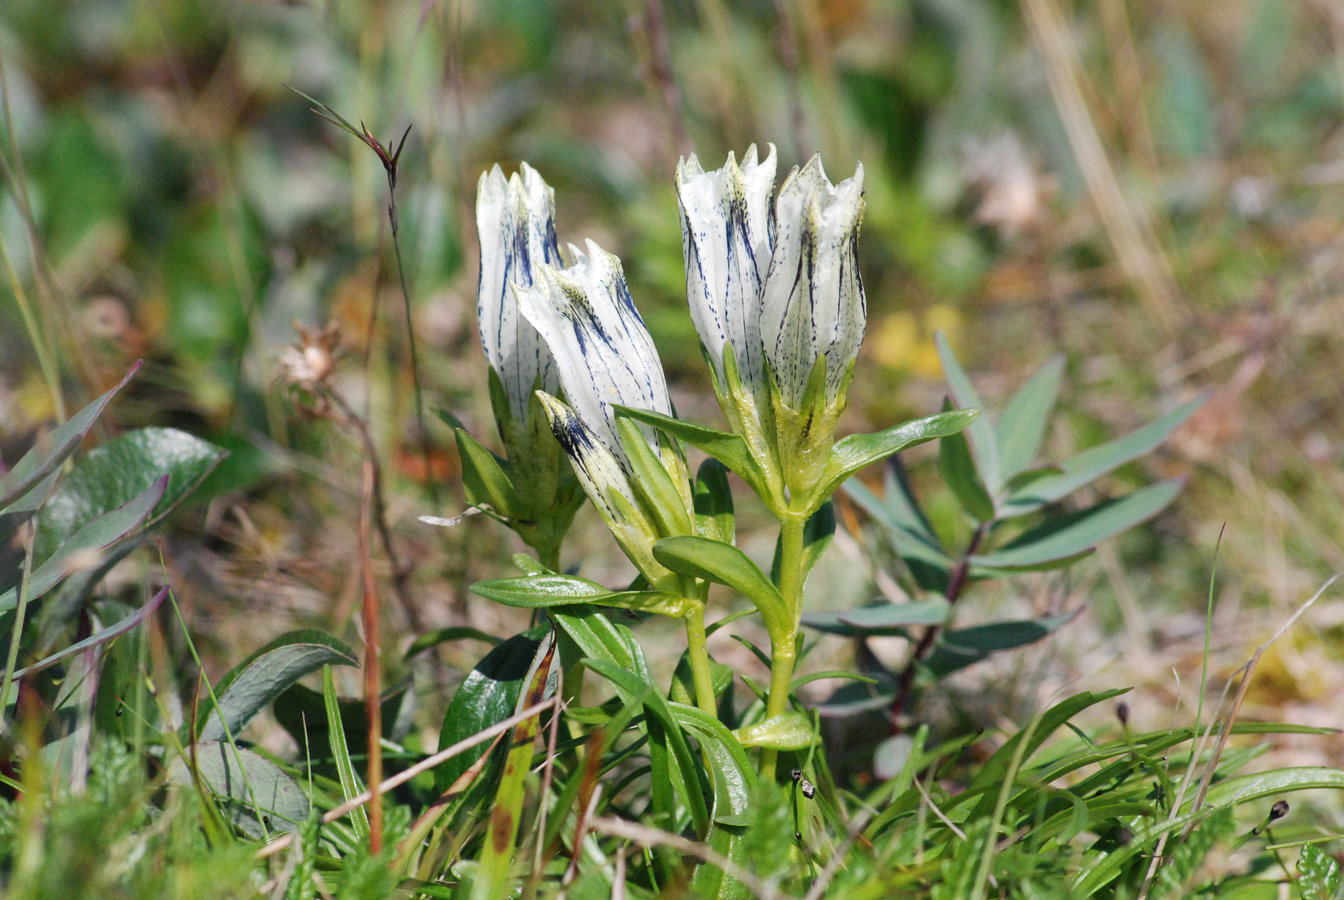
x=713 y=500
x=1091 y=464
x=883 y=619
x=340 y=753
x=124 y=467
x=597 y=637
x=488 y=694
x=499 y=850
x=729 y=449
x=52 y=450
x=1022 y=425
x=734 y=778
x=483 y=477
x=898 y=513
x=852 y=453
x=102 y=636
x=981 y=432
x=263 y=676
x=667 y=742
x=551 y=589
x=725 y=564
x=958 y=470
x=83 y=547
x=659 y=497
x=1067 y=536
x=963 y=647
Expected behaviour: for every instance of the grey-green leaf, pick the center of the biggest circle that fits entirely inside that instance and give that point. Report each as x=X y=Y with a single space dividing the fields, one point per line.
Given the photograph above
x=1095 y=462
x=245 y=783
x=883 y=619
x=980 y=432
x=907 y=528
x=252 y=685
x=83 y=548
x=962 y=647
x=958 y=469
x=55 y=448
x=121 y=469
x=1067 y=536
x=1021 y=428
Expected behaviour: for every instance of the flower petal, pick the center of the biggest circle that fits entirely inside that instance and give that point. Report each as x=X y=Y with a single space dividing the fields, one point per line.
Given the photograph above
x=727 y=233
x=813 y=302
x=597 y=469
x=515 y=221
x=602 y=350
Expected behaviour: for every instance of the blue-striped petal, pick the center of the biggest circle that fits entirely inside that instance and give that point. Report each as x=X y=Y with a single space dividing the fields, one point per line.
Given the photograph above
x=813 y=303
x=727 y=232
x=515 y=221
x=602 y=351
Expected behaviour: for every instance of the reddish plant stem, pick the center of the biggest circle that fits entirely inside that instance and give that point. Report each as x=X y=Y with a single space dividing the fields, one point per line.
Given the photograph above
x=956 y=584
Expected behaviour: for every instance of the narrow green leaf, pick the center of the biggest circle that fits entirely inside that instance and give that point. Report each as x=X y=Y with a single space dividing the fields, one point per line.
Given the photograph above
x=100 y=637
x=351 y=786
x=989 y=779
x=657 y=494
x=1022 y=425
x=550 y=589
x=713 y=502
x=597 y=637
x=724 y=564
x=881 y=619
x=1093 y=463
x=541 y=591
x=685 y=773
x=855 y=451
x=728 y=448
x=1067 y=536
x=733 y=776
x=499 y=849
x=483 y=478
x=958 y=471
x=53 y=449
x=817 y=535
x=980 y=432
x=252 y=685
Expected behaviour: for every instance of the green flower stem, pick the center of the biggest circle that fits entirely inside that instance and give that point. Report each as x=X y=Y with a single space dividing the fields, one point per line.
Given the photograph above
x=783 y=646
x=697 y=654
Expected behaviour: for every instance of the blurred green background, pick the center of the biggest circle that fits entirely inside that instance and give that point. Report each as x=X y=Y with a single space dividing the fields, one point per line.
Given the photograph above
x=1153 y=189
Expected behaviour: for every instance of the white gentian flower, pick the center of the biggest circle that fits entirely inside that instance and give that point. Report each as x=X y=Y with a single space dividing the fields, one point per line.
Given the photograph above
x=605 y=357
x=515 y=221
x=813 y=303
x=727 y=232
x=602 y=351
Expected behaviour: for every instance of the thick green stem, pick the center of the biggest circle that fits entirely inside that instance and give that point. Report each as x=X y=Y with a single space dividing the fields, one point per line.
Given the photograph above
x=697 y=654
x=783 y=646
